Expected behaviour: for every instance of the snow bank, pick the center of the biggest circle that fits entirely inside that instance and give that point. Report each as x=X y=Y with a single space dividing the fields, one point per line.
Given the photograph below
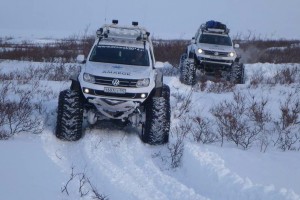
x=213 y=179
x=26 y=171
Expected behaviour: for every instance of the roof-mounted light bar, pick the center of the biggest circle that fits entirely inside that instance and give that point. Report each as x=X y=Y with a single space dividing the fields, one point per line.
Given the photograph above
x=135 y=32
x=143 y=37
x=99 y=32
x=115 y=21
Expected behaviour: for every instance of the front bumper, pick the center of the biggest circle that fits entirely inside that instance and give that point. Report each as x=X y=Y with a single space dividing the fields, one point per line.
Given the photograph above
x=92 y=93
x=215 y=60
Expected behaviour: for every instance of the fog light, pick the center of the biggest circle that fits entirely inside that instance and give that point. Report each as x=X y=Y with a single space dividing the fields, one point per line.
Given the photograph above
x=86 y=90
x=143 y=95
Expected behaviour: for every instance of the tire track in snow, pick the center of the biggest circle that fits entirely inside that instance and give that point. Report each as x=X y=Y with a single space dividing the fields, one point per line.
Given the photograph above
x=212 y=179
x=129 y=168
x=118 y=164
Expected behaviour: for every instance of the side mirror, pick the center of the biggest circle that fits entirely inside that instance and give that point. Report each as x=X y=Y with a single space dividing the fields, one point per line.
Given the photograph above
x=159 y=65
x=193 y=41
x=236 y=46
x=80 y=59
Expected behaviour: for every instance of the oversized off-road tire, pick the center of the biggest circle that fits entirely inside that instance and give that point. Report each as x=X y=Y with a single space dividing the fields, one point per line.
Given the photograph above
x=69 y=115
x=157 y=126
x=187 y=71
x=183 y=57
x=237 y=73
x=166 y=96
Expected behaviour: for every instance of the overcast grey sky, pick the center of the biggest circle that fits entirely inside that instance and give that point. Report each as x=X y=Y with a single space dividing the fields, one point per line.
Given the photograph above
x=164 y=19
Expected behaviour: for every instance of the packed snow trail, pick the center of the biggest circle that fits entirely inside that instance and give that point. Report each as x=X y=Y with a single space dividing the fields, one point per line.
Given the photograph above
x=131 y=169
x=119 y=164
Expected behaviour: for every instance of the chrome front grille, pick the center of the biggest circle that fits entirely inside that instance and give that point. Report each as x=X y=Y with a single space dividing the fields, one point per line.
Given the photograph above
x=122 y=82
x=216 y=53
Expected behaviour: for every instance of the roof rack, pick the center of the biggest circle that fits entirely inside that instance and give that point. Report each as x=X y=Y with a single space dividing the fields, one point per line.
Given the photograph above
x=220 y=28
x=133 y=32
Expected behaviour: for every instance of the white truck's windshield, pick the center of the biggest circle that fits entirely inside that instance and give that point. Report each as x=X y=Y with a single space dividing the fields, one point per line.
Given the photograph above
x=215 y=39
x=120 y=55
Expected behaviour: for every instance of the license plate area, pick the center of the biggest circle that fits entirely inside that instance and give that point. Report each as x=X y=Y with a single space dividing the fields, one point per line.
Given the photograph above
x=114 y=90
x=216 y=57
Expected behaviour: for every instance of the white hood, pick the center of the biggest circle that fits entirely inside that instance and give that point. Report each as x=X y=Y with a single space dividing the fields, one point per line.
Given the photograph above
x=215 y=47
x=117 y=70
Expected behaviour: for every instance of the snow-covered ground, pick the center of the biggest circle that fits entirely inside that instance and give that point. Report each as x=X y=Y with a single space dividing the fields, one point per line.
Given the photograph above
x=114 y=161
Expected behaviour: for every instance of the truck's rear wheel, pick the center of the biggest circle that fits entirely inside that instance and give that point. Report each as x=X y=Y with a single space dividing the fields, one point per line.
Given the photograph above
x=166 y=96
x=69 y=115
x=237 y=73
x=187 y=72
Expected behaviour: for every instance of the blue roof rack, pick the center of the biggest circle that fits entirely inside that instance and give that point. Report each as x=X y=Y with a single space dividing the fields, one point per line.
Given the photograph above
x=214 y=27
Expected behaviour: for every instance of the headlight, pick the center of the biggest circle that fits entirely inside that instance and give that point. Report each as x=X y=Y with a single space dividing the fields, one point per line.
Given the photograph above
x=231 y=54
x=200 y=51
x=143 y=82
x=88 y=78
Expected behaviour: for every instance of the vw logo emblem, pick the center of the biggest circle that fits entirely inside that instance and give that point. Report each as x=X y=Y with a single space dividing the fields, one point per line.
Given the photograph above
x=115 y=82
x=216 y=53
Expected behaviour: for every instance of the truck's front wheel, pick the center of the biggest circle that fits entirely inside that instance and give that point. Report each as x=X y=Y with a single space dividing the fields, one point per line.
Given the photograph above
x=156 y=128
x=69 y=115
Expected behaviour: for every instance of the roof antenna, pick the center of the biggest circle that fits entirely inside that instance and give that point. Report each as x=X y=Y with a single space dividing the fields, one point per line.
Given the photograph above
x=105 y=12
